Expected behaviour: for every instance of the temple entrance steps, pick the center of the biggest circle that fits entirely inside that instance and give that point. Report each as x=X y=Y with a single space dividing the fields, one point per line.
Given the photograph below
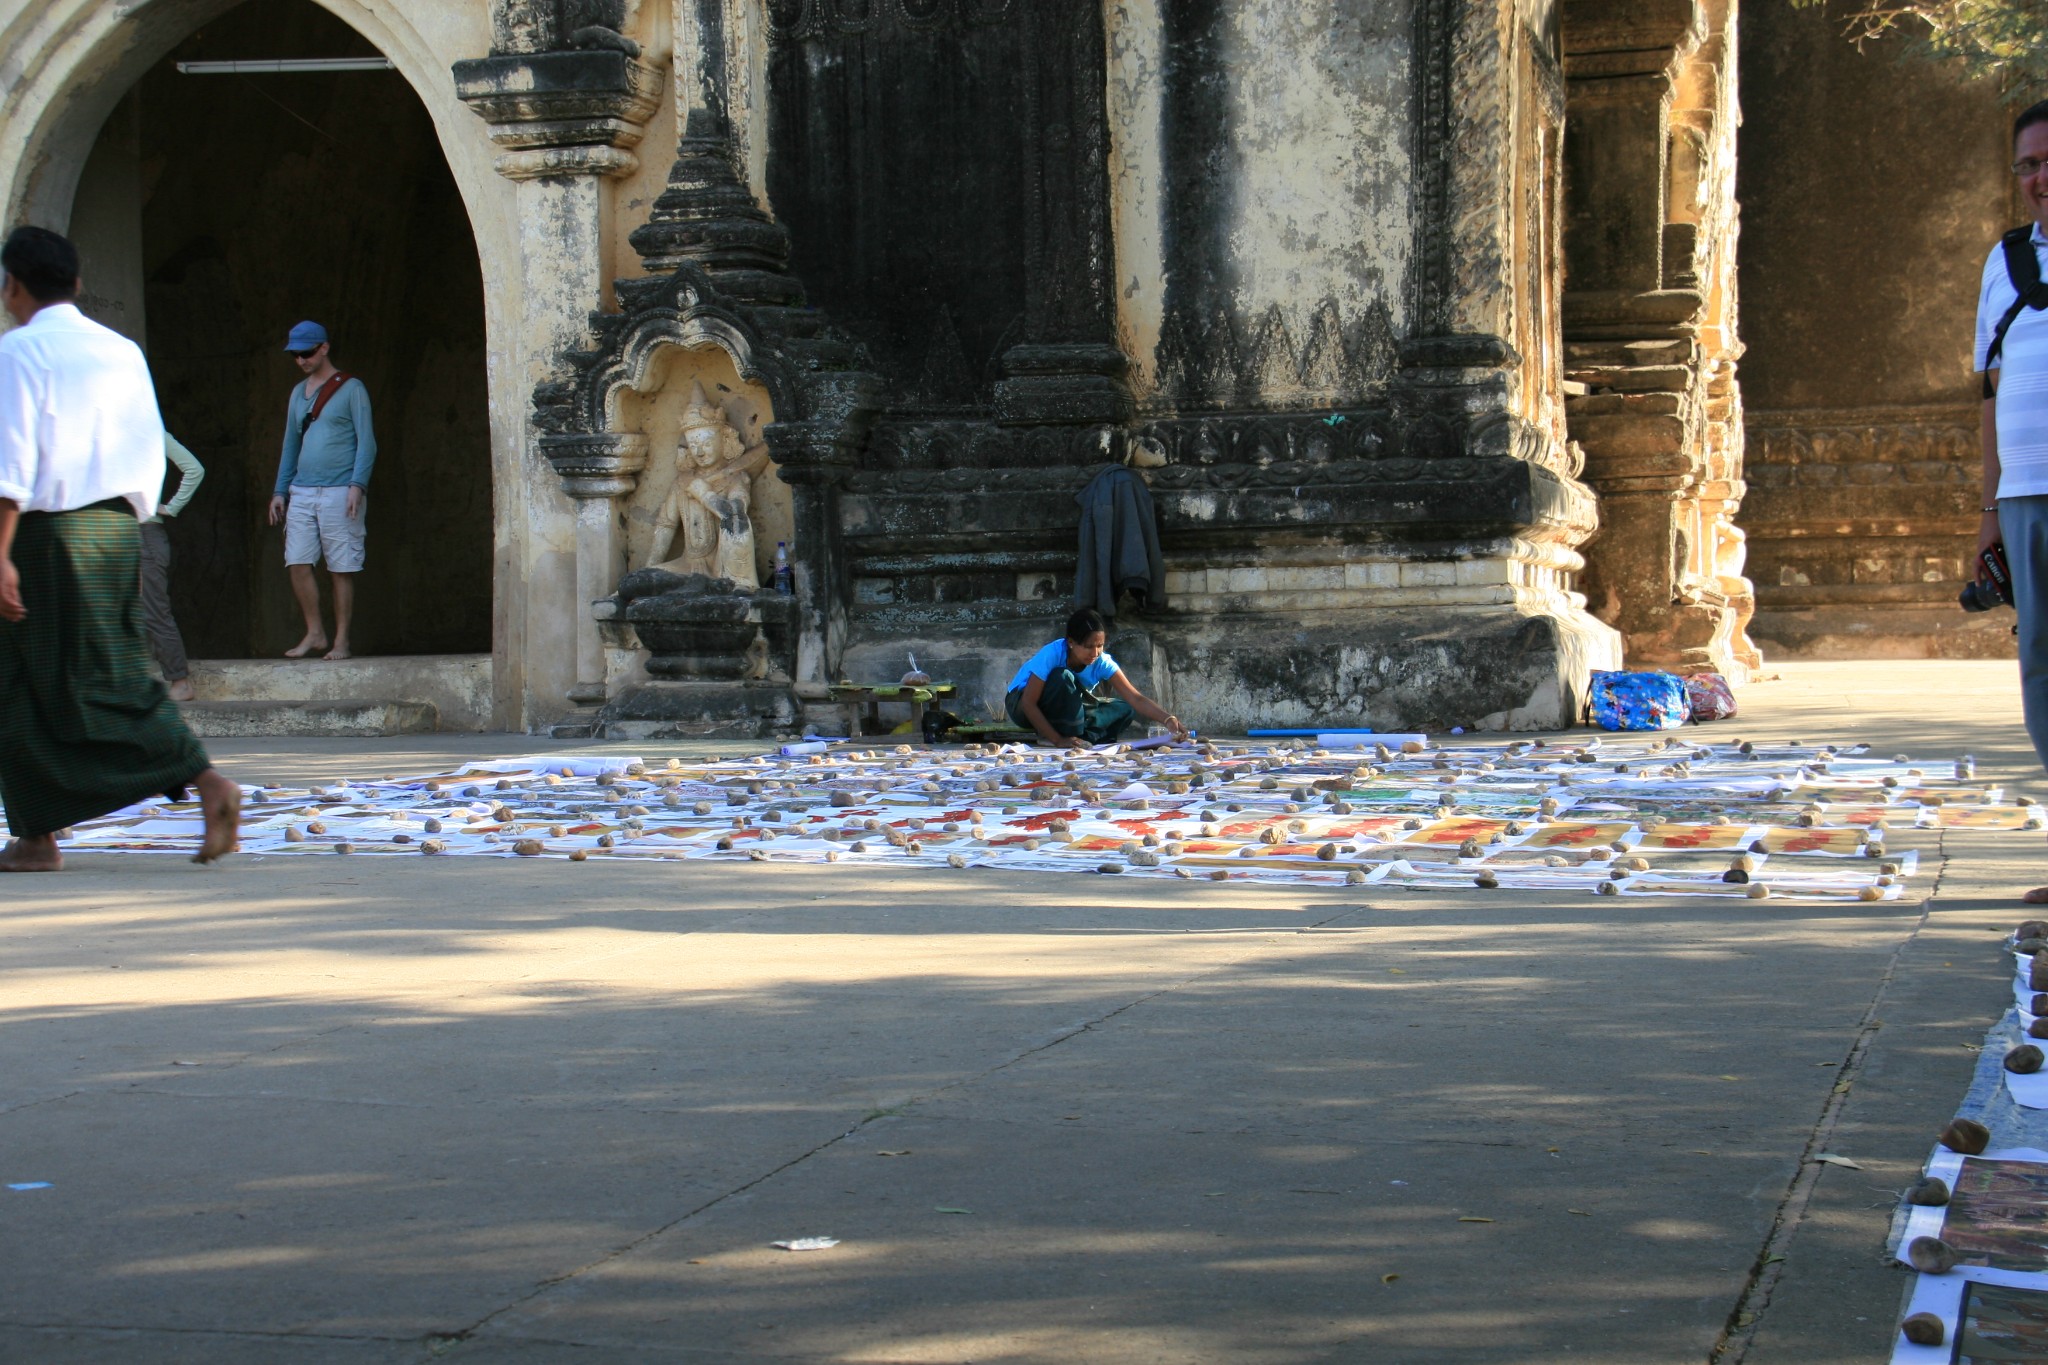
x=391 y=695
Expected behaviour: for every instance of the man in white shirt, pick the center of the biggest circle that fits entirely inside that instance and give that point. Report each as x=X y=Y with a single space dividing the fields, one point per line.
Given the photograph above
x=2015 y=428
x=84 y=727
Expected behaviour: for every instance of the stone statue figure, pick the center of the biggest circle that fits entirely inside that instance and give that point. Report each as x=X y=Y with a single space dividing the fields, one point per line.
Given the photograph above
x=531 y=26
x=711 y=505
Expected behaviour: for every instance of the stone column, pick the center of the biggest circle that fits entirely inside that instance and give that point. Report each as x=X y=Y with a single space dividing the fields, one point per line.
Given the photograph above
x=600 y=473
x=814 y=457
x=1069 y=368
x=1649 y=322
x=567 y=122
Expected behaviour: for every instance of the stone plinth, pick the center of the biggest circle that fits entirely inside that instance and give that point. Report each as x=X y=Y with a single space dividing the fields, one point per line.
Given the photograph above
x=719 y=656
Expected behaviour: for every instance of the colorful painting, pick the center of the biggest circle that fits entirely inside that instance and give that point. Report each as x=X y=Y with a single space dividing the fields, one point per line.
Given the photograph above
x=1998 y=1215
x=2001 y=1325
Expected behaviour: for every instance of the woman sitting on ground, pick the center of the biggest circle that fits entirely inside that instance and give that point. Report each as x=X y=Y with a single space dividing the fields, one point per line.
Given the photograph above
x=1053 y=693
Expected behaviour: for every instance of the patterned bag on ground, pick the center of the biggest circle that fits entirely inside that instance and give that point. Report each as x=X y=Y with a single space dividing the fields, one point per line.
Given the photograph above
x=1637 y=701
x=1709 y=696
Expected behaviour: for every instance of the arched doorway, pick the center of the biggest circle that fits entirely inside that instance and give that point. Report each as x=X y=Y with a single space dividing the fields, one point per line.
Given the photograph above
x=215 y=211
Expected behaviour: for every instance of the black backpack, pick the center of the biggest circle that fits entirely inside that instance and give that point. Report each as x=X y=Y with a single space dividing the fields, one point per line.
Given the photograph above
x=2023 y=269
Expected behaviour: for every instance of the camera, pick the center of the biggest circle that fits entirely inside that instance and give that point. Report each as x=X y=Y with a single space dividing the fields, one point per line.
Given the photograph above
x=1993 y=586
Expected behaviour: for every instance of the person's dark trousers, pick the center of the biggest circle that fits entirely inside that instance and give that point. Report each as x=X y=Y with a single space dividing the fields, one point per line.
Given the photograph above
x=1070 y=710
x=164 y=640
x=2023 y=526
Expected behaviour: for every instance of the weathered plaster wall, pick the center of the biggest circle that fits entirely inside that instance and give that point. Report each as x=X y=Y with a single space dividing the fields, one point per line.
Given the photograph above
x=1872 y=189
x=1137 y=160
x=1284 y=196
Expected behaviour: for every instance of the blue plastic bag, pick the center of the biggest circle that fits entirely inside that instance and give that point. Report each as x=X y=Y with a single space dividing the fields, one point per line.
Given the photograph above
x=1638 y=701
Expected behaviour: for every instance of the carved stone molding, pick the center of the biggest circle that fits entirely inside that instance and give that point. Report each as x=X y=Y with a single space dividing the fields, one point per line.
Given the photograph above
x=541 y=163
x=1627 y=38
x=561 y=99
x=1077 y=384
x=604 y=465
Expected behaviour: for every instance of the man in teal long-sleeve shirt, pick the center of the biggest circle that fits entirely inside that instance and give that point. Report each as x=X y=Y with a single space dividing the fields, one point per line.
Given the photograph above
x=323 y=482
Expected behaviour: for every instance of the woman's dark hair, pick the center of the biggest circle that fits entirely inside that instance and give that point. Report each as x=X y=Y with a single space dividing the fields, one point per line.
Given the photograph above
x=44 y=263
x=1083 y=625
x=2028 y=117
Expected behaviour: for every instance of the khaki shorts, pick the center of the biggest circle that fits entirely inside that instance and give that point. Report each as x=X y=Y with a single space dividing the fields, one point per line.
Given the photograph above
x=316 y=524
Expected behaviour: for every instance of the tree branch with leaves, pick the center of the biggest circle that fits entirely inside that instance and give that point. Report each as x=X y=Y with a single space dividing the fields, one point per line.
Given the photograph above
x=2006 y=40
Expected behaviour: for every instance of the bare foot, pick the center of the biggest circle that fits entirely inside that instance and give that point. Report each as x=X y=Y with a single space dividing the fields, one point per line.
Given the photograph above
x=221 y=800
x=37 y=853
x=180 y=689
x=2038 y=896
x=340 y=651
x=312 y=644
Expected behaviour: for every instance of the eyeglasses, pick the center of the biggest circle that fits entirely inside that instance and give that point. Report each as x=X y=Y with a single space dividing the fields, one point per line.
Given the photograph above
x=305 y=355
x=2026 y=169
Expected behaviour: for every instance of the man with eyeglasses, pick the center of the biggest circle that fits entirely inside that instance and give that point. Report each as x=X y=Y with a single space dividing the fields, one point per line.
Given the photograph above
x=322 y=489
x=2015 y=426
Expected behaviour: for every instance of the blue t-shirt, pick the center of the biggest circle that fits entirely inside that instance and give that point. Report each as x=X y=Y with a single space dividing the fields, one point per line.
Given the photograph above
x=1053 y=657
x=338 y=449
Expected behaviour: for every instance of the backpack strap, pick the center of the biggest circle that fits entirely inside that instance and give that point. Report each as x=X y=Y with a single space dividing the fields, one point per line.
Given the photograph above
x=2023 y=272
x=340 y=377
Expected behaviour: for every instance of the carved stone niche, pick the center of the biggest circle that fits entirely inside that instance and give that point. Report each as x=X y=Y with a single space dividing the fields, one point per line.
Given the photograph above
x=739 y=436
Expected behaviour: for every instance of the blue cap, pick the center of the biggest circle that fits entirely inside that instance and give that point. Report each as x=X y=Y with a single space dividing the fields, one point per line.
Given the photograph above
x=305 y=337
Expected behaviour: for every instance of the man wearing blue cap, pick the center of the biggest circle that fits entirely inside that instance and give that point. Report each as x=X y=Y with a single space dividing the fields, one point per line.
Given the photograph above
x=323 y=486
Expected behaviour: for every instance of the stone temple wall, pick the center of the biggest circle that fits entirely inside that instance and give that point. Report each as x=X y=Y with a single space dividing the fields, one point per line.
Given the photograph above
x=1872 y=190
x=1417 y=317
x=1298 y=264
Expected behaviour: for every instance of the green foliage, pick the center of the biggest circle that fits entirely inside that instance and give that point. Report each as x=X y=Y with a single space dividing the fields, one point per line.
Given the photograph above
x=2006 y=40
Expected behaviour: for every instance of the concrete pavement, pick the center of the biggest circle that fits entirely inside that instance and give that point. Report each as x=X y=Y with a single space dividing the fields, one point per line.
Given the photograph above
x=365 y=1110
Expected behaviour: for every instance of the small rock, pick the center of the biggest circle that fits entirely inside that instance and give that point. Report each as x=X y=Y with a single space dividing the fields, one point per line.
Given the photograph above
x=1930 y=1256
x=1966 y=1136
x=1924 y=1329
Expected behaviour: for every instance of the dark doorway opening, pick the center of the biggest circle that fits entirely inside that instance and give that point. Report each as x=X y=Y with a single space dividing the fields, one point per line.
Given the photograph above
x=214 y=213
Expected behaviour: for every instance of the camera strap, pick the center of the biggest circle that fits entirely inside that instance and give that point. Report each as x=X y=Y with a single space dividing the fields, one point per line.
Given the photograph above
x=340 y=377
x=2023 y=270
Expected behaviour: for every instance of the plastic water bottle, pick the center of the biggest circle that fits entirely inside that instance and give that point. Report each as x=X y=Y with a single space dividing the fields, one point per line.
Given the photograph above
x=785 y=581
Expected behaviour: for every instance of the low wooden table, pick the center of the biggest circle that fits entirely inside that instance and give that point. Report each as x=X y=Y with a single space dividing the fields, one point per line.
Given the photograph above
x=854 y=698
